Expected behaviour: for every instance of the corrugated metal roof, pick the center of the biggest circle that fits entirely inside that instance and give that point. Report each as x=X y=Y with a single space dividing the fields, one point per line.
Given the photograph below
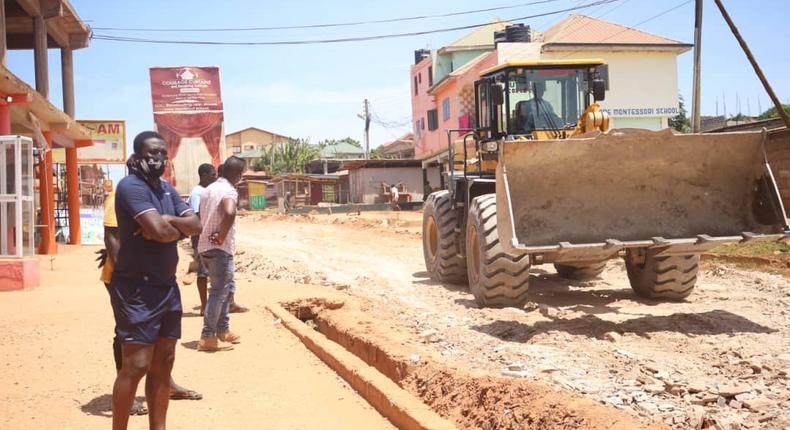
x=585 y=29
x=341 y=149
x=252 y=153
x=358 y=164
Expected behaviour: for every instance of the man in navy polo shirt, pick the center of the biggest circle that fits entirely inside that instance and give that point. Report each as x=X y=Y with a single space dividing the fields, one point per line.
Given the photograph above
x=144 y=294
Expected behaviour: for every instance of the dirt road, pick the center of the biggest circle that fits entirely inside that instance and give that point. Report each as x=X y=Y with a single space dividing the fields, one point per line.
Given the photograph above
x=57 y=371
x=721 y=357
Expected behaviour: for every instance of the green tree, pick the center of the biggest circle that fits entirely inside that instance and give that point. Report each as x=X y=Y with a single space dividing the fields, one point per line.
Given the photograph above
x=288 y=157
x=375 y=154
x=328 y=142
x=773 y=113
x=681 y=122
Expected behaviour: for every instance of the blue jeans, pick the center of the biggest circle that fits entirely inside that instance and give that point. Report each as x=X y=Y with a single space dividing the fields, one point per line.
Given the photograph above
x=219 y=265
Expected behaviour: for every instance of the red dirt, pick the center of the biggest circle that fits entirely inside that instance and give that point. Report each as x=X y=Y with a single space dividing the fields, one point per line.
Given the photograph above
x=472 y=400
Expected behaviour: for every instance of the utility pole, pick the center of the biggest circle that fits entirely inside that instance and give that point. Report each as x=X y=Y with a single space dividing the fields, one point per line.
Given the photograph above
x=271 y=165
x=366 y=117
x=724 y=101
x=778 y=104
x=695 y=101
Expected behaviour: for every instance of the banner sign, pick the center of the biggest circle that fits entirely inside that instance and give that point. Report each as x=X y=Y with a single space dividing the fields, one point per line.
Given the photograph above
x=109 y=143
x=185 y=89
x=187 y=109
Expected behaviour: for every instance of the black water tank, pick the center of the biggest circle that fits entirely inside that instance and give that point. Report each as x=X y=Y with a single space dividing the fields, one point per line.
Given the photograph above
x=517 y=33
x=500 y=36
x=419 y=54
x=513 y=33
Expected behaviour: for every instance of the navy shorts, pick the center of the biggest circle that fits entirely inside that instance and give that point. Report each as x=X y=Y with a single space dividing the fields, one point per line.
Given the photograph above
x=145 y=312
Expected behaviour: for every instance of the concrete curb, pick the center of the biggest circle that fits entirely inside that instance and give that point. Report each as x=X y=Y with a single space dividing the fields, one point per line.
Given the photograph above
x=402 y=409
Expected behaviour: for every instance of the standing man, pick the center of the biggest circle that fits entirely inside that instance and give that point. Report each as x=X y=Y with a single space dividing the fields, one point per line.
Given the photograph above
x=207 y=175
x=217 y=245
x=395 y=197
x=143 y=291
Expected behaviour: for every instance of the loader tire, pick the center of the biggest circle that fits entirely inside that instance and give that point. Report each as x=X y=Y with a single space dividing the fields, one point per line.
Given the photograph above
x=580 y=271
x=669 y=278
x=496 y=278
x=440 y=241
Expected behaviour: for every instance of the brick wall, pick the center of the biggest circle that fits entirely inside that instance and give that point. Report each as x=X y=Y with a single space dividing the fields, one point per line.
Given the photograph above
x=777 y=148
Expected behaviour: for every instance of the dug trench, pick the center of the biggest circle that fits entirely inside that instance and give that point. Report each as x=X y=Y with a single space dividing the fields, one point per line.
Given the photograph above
x=469 y=399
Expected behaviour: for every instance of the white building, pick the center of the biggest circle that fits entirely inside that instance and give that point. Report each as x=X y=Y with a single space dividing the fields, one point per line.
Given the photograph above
x=643 y=71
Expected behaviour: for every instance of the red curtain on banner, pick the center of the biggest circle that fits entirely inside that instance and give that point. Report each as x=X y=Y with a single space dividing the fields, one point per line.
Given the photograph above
x=175 y=126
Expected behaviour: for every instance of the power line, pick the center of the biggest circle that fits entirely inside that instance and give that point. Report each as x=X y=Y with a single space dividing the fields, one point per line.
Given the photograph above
x=338 y=40
x=325 y=25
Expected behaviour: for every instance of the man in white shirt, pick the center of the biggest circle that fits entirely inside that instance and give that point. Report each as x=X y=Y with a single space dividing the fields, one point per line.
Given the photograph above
x=395 y=197
x=217 y=244
x=207 y=174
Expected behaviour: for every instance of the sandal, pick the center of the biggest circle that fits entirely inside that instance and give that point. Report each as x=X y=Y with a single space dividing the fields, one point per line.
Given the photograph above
x=185 y=395
x=138 y=408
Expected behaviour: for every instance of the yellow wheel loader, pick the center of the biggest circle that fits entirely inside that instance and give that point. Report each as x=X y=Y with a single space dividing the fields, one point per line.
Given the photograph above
x=542 y=179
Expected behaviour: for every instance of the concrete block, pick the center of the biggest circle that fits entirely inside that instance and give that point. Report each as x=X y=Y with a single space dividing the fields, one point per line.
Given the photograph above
x=19 y=273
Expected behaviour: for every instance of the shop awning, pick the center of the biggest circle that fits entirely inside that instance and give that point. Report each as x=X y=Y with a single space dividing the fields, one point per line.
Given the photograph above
x=36 y=114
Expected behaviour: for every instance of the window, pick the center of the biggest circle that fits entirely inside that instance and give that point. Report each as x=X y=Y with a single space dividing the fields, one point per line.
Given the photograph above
x=236 y=150
x=415 y=86
x=419 y=77
x=422 y=123
x=327 y=193
x=446 y=109
x=430 y=76
x=547 y=99
x=433 y=120
x=417 y=129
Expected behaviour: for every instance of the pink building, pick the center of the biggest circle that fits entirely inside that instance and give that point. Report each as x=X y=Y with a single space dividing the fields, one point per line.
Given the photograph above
x=442 y=88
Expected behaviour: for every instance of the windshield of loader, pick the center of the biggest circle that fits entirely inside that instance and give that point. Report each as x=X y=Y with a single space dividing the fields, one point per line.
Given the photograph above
x=544 y=99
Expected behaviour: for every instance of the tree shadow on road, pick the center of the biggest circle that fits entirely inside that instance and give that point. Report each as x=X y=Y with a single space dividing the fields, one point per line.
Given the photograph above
x=101 y=406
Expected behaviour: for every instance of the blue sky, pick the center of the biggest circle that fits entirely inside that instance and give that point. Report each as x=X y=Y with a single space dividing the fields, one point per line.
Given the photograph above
x=316 y=91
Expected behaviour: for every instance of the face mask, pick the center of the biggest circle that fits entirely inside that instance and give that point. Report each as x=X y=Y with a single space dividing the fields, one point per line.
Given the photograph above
x=153 y=166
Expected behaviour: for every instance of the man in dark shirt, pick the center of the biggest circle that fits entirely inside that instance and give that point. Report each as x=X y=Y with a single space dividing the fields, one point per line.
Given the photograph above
x=143 y=291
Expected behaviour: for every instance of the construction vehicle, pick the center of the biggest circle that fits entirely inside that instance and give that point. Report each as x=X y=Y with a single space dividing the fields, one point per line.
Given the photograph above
x=542 y=179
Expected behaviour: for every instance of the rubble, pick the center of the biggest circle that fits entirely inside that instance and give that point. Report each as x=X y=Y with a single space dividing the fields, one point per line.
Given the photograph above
x=733 y=390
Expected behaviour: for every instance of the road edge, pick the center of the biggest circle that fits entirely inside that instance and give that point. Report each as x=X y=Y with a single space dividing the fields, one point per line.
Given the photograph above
x=404 y=410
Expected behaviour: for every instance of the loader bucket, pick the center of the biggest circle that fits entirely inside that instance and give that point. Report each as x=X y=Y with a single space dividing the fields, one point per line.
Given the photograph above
x=636 y=188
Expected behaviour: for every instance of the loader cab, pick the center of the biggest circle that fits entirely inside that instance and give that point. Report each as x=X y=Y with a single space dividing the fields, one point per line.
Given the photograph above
x=537 y=99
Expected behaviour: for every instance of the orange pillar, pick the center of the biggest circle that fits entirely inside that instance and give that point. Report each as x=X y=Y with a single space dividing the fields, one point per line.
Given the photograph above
x=73 y=191
x=47 y=194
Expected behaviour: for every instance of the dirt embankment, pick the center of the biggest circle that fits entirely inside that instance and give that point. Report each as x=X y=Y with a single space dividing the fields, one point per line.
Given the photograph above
x=471 y=400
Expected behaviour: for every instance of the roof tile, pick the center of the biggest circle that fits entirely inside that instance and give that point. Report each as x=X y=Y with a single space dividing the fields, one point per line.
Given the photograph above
x=585 y=29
